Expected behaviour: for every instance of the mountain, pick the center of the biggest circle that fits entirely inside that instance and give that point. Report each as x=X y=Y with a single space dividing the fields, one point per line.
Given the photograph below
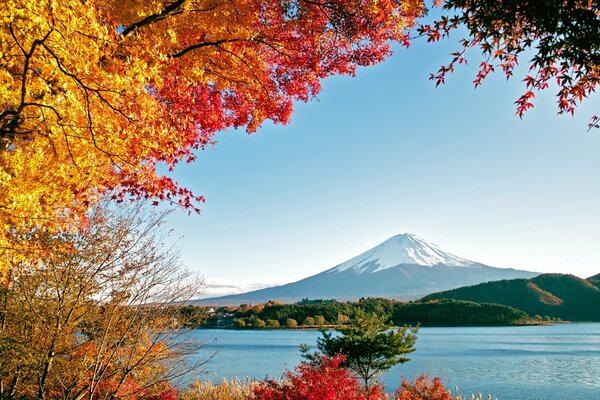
x=555 y=295
x=594 y=280
x=403 y=267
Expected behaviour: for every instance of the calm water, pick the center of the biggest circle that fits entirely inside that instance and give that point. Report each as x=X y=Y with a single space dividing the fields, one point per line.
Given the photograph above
x=532 y=362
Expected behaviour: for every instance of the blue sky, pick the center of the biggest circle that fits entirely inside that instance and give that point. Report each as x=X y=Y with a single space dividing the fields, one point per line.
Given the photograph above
x=385 y=153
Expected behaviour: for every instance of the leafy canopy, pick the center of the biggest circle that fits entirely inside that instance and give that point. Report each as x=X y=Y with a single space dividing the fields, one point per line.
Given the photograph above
x=96 y=96
x=561 y=37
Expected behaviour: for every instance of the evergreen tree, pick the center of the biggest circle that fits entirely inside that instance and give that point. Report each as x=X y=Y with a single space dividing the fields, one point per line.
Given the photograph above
x=369 y=344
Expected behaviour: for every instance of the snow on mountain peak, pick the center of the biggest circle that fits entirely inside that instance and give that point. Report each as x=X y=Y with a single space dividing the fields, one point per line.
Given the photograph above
x=402 y=249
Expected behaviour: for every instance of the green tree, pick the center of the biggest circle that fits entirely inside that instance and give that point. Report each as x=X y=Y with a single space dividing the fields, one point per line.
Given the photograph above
x=370 y=345
x=273 y=323
x=291 y=323
x=342 y=319
x=319 y=320
x=310 y=321
x=239 y=323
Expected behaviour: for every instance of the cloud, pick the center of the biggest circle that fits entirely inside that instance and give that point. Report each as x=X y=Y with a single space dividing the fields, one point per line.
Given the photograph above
x=214 y=287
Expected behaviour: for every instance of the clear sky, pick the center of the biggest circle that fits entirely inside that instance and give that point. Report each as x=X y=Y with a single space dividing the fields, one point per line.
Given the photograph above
x=385 y=153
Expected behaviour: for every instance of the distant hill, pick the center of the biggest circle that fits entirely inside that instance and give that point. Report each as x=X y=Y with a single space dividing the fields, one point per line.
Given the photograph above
x=556 y=295
x=595 y=280
x=403 y=267
x=449 y=312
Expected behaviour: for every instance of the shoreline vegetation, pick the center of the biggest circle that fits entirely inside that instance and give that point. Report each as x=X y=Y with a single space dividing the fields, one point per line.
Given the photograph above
x=330 y=314
x=543 y=300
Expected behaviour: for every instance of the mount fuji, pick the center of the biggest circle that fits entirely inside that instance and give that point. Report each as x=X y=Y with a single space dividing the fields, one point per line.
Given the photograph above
x=403 y=267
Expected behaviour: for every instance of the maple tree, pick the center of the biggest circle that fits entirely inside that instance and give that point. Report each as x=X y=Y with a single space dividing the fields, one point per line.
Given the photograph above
x=561 y=37
x=324 y=380
x=423 y=388
x=96 y=96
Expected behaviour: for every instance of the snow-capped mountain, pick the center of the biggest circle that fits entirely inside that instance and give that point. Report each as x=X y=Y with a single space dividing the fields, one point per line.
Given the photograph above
x=403 y=267
x=402 y=249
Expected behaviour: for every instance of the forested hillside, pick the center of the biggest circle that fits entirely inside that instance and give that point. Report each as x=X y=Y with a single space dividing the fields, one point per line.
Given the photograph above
x=556 y=295
x=457 y=312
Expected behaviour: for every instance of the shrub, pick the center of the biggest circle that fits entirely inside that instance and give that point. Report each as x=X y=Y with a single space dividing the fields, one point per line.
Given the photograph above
x=423 y=388
x=325 y=380
x=170 y=394
x=291 y=323
x=273 y=323
x=239 y=323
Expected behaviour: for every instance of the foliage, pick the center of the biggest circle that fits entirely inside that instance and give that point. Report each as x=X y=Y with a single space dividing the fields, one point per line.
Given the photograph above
x=273 y=323
x=562 y=36
x=368 y=345
x=325 y=380
x=239 y=323
x=456 y=312
x=193 y=317
x=422 y=388
x=319 y=320
x=555 y=295
x=97 y=96
x=446 y=312
x=291 y=323
x=95 y=317
x=258 y=323
x=282 y=312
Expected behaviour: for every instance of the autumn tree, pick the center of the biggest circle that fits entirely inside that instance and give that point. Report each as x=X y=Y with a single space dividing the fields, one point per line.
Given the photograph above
x=291 y=323
x=95 y=317
x=424 y=388
x=97 y=95
x=319 y=320
x=323 y=380
x=561 y=40
x=368 y=344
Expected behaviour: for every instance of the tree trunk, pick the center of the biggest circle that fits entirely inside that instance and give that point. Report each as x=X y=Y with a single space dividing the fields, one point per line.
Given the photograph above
x=42 y=385
x=14 y=384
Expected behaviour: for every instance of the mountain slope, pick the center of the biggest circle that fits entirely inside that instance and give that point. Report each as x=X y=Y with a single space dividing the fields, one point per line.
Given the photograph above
x=403 y=267
x=594 y=280
x=556 y=295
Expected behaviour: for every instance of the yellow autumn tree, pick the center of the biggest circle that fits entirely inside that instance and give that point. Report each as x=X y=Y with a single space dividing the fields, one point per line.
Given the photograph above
x=94 y=318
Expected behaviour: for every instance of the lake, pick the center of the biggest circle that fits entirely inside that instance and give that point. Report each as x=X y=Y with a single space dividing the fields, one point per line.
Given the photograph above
x=555 y=362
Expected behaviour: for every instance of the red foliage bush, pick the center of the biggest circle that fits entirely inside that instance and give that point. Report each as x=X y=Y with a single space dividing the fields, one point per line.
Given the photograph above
x=130 y=390
x=423 y=388
x=167 y=394
x=325 y=380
